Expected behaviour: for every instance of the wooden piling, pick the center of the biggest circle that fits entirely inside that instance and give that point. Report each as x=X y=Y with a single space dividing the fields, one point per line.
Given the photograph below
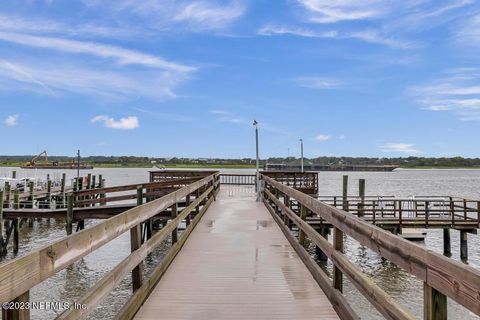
x=175 y=231
x=434 y=304
x=286 y=201
x=303 y=216
x=69 y=218
x=463 y=245
x=320 y=254
x=81 y=223
x=447 y=249
x=16 y=224
x=49 y=193
x=62 y=189
x=187 y=203
x=345 y=193
x=1 y=223
x=14 y=174
x=361 y=193
x=135 y=243
x=8 y=199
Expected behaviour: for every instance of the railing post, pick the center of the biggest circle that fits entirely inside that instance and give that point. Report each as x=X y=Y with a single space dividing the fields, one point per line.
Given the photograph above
x=427 y=204
x=337 y=245
x=452 y=211
x=175 y=231
x=18 y=314
x=434 y=304
x=69 y=218
x=135 y=243
x=345 y=193
x=303 y=216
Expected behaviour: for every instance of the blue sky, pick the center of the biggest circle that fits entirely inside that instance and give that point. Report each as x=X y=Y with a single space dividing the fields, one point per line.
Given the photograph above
x=187 y=78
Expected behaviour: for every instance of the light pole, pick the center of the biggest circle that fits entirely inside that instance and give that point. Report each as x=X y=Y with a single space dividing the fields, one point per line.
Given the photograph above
x=301 y=151
x=257 y=175
x=78 y=167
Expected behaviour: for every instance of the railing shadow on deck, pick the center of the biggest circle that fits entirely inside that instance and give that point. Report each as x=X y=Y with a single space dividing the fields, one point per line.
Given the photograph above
x=442 y=277
x=18 y=276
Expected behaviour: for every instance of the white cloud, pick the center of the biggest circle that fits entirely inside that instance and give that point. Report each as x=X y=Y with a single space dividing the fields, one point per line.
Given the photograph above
x=207 y=15
x=323 y=137
x=33 y=25
x=396 y=12
x=121 y=55
x=468 y=33
x=190 y=15
x=49 y=77
x=368 y=35
x=226 y=116
x=457 y=91
x=326 y=11
x=127 y=123
x=399 y=148
x=12 y=120
x=316 y=82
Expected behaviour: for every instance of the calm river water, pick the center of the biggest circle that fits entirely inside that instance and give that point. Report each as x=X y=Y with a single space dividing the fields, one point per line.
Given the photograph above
x=71 y=283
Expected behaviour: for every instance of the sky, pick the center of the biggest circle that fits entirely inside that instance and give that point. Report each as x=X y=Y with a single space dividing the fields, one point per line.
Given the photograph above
x=167 y=78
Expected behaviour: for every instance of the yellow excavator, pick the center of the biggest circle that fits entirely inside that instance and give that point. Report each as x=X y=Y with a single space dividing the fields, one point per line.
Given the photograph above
x=31 y=163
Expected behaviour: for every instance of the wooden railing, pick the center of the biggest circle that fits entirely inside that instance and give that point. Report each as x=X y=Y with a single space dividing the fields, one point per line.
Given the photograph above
x=442 y=277
x=237 y=179
x=306 y=182
x=18 y=276
x=153 y=190
x=427 y=211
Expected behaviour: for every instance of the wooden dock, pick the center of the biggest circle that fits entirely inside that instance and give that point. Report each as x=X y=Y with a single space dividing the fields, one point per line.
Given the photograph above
x=237 y=264
x=239 y=258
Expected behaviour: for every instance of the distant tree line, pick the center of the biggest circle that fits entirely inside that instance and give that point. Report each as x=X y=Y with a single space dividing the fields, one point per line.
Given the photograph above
x=405 y=162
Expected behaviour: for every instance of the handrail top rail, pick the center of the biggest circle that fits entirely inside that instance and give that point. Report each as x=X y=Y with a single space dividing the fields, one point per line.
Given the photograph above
x=136 y=186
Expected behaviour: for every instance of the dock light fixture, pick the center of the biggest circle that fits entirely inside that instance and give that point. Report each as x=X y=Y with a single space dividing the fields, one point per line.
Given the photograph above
x=257 y=173
x=301 y=155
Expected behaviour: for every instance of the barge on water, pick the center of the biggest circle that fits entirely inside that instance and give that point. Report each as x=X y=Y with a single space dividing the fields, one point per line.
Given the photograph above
x=56 y=165
x=321 y=167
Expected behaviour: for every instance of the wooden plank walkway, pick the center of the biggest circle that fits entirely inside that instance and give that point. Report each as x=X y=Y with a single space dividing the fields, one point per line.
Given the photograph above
x=237 y=264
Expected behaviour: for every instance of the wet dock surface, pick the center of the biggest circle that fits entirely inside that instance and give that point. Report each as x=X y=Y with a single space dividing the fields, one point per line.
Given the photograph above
x=237 y=264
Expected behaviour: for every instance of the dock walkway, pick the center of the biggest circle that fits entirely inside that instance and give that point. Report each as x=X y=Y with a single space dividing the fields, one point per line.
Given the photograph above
x=237 y=264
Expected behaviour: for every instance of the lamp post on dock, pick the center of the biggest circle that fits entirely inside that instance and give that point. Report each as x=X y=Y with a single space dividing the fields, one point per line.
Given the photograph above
x=257 y=174
x=301 y=157
x=78 y=165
